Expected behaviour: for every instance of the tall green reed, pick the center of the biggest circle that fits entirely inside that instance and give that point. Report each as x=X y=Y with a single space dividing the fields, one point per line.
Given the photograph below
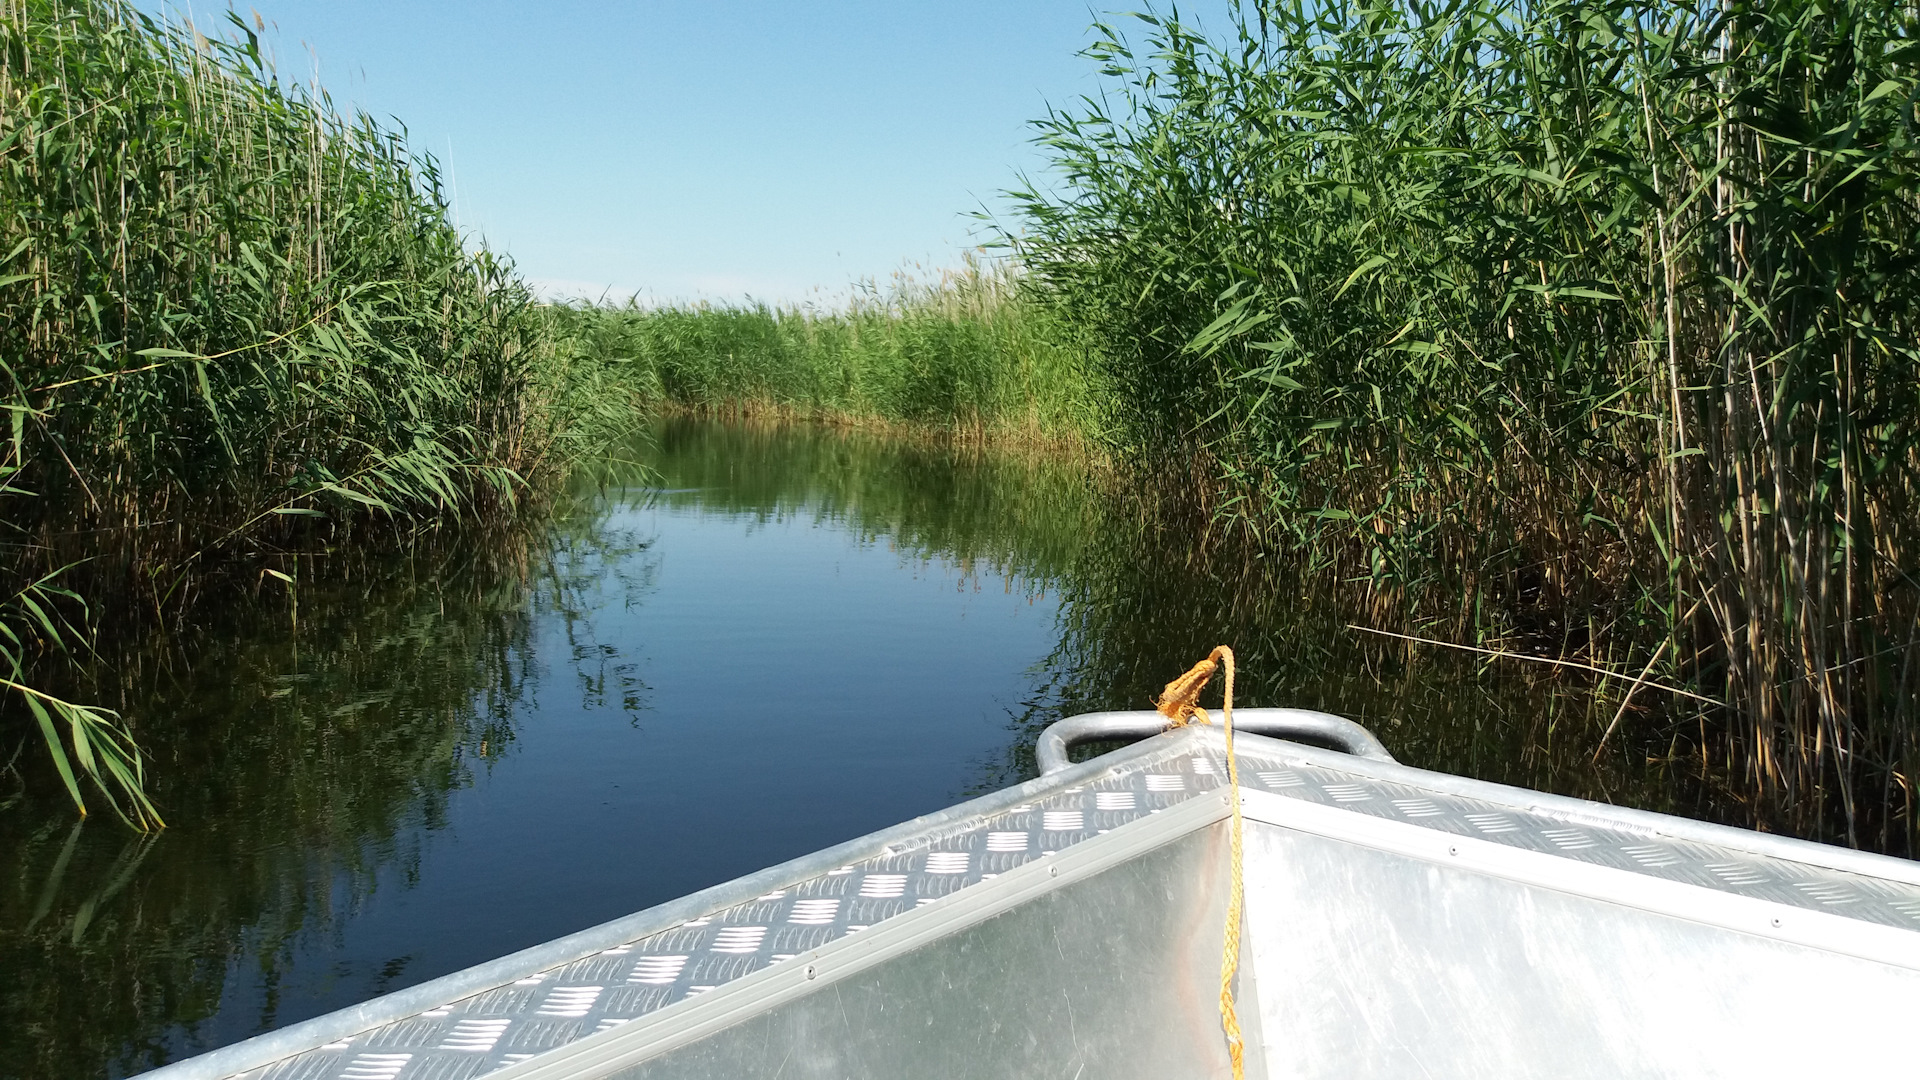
x=959 y=350
x=1604 y=310
x=233 y=322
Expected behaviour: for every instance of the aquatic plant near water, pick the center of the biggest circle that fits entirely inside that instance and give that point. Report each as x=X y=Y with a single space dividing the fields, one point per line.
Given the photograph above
x=960 y=352
x=1541 y=314
x=233 y=322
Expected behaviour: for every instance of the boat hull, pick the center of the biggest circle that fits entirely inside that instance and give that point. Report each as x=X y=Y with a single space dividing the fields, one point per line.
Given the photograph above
x=1398 y=922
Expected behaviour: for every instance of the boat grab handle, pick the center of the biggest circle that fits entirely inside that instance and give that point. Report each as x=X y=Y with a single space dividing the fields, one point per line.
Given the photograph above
x=1298 y=725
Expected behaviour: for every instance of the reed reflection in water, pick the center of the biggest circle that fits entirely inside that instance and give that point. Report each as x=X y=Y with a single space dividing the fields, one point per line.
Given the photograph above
x=771 y=639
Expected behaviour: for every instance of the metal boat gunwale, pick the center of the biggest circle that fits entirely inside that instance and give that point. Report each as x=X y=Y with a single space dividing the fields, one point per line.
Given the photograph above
x=1767 y=919
x=1579 y=811
x=272 y=1046
x=685 y=1021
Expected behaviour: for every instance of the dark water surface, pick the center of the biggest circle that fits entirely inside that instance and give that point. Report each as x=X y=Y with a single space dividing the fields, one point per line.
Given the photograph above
x=785 y=638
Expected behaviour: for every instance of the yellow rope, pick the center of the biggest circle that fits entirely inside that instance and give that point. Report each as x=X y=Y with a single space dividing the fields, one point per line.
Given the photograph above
x=1180 y=704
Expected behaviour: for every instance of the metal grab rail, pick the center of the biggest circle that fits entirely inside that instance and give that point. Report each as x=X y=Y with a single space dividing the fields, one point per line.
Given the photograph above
x=1320 y=729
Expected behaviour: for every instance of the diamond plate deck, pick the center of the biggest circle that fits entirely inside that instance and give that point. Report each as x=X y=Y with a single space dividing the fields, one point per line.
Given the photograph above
x=545 y=1009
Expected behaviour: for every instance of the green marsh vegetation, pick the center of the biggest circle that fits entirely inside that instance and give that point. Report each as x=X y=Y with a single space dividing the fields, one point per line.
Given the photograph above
x=1579 y=330
x=1579 y=327
x=962 y=351
x=1138 y=592
x=236 y=328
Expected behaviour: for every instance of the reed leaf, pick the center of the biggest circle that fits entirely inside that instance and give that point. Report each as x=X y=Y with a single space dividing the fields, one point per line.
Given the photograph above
x=234 y=321
x=1540 y=313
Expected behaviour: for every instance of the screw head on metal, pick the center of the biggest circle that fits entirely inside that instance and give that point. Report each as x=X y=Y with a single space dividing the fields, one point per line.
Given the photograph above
x=1453 y=849
x=809 y=971
x=1776 y=922
x=1053 y=871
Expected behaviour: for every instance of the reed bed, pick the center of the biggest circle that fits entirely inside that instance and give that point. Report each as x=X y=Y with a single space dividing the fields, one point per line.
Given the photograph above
x=1602 y=310
x=234 y=324
x=959 y=351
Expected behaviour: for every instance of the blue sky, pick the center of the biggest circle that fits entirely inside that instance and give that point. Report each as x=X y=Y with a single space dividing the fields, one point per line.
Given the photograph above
x=717 y=150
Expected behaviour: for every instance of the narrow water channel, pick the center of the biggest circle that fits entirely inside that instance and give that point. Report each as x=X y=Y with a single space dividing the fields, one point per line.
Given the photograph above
x=781 y=638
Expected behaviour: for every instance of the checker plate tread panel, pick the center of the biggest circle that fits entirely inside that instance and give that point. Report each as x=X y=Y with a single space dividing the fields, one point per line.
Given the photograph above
x=496 y=1028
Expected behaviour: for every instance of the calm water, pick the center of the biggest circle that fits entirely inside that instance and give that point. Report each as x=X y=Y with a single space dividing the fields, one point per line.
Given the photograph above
x=785 y=638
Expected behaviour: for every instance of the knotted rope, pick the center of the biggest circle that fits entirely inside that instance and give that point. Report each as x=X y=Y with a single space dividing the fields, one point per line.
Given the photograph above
x=1180 y=704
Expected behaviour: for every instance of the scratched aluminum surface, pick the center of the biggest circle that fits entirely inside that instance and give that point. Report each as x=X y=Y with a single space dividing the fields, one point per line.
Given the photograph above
x=496 y=1028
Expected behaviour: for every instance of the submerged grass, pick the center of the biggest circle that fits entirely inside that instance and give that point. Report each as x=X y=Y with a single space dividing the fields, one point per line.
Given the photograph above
x=234 y=323
x=1585 y=321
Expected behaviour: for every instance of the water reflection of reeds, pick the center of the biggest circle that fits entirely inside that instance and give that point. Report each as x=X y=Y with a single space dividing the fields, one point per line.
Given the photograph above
x=1145 y=587
x=306 y=760
x=1015 y=514
x=306 y=767
x=1140 y=603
